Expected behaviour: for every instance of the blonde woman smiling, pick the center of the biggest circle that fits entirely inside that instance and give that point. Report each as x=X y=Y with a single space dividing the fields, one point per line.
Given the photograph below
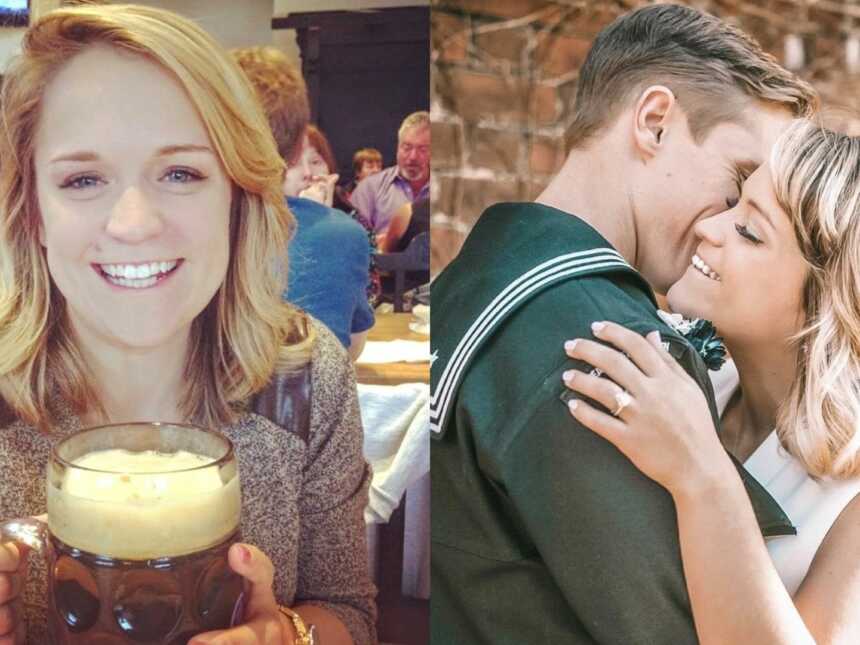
x=142 y=227
x=777 y=274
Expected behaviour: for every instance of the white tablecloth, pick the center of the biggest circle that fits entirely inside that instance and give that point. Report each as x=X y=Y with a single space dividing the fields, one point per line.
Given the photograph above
x=396 y=423
x=396 y=441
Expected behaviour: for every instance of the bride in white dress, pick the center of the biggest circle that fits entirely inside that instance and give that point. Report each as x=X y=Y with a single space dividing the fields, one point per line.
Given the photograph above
x=779 y=276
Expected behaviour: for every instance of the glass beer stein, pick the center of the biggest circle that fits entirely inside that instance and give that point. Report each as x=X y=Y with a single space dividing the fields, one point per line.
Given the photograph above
x=140 y=518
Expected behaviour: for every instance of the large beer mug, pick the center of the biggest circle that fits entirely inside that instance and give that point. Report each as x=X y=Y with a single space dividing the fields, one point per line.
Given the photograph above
x=140 y=518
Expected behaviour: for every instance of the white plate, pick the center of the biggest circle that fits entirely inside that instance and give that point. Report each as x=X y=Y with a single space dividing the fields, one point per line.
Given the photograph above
x=420 y=328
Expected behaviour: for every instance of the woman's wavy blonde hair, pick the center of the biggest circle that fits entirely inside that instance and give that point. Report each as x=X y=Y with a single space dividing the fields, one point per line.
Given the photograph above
x=246 y=332
x=816 y=178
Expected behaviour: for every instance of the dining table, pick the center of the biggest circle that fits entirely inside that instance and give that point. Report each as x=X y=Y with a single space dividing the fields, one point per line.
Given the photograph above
x=397 y=445
x=390 y=327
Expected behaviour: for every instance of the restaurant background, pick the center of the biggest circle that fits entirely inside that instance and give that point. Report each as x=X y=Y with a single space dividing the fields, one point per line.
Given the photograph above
x=503 y=77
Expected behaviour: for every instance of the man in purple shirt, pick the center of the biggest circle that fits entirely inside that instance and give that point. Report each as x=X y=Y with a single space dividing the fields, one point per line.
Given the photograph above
x=378 y=196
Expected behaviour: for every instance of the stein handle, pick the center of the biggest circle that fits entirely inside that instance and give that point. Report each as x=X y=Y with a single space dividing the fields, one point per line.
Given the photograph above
x=29 y=531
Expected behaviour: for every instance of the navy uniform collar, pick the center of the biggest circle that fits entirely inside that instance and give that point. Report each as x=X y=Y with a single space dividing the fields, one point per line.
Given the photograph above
x=528 y=234
x=530 y=248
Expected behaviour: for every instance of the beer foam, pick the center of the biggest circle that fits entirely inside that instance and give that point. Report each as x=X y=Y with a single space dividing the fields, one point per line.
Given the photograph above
x=142 y=505
x=146 y=461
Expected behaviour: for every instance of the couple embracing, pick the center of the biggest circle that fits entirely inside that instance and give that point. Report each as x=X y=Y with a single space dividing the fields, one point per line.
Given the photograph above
x=592 y=481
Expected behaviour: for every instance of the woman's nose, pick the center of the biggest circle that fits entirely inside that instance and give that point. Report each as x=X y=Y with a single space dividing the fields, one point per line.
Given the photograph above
x=712 y=229
x=134 y=218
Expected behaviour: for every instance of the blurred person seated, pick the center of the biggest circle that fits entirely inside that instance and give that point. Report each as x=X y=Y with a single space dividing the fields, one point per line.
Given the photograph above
x=408 y=221
x=323 y=168
x=324 y=189
x=378 y=196
x=329 y=255
x=365 y=162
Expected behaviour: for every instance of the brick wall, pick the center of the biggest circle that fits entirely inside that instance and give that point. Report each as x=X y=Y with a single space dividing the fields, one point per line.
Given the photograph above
x=503 y=81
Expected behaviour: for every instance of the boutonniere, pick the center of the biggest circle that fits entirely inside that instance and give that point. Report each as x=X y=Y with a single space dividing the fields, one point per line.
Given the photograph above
x=702 y=335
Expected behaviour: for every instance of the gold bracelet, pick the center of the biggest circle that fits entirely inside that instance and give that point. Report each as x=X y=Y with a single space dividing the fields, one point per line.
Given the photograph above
x=305 y=634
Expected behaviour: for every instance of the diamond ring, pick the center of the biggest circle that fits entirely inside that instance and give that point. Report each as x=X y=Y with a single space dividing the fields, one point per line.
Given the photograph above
x=623 y=399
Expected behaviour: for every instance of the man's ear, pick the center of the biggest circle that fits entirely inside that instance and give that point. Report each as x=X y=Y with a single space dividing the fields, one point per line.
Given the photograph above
x=652 y=114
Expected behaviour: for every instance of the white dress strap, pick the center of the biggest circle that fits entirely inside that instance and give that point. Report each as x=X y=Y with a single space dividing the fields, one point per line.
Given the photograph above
x=813 y=506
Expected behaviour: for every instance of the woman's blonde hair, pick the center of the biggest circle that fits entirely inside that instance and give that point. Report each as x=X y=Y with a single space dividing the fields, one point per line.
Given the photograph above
x=246 y=332
x=816 y=177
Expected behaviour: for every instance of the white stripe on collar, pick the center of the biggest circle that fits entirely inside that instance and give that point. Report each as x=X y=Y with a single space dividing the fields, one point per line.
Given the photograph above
x=518 y=290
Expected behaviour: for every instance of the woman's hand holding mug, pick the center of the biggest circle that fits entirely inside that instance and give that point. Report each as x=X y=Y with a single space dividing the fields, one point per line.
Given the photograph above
x=263 y=622
x=13 y=576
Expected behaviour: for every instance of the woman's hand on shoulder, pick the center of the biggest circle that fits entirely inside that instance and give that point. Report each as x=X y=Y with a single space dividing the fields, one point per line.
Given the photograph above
x=660 y=421
x=264 y=623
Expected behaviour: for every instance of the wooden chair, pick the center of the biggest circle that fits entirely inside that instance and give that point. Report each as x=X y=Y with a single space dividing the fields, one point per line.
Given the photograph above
x=416 y=258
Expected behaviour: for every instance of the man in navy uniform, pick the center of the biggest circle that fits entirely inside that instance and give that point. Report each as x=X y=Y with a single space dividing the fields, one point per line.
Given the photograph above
x=542 y=532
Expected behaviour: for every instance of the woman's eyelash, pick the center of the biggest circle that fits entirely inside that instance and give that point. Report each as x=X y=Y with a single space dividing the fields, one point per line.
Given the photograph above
x=77 y=182
x=186 y=173
x=744 y=232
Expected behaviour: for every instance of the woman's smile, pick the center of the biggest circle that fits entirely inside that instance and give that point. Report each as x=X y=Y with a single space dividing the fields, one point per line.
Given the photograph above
x=703 y=267
x=141 y=275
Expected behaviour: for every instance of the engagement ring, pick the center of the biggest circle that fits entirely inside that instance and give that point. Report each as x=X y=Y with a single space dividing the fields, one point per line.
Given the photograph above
x=623 y=399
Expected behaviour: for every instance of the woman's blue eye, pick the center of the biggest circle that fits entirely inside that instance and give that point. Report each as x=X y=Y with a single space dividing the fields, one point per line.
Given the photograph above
x=80 y=182
x=182 y=175
x=744 y=232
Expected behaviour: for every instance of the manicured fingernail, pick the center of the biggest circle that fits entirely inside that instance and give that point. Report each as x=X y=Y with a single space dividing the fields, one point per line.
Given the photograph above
x=568 y=376
x=597 y=327
x=245 y=554
x=570 y=345
x=572 y=404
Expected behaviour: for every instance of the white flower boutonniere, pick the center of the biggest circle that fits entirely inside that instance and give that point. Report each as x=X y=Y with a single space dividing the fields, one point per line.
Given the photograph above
x=701 y=334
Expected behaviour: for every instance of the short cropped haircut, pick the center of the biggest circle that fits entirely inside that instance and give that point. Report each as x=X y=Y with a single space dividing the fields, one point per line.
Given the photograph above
x=282 y=92
x=414 y=121
x=365 y=155
x=714 y=69
x=319 y=142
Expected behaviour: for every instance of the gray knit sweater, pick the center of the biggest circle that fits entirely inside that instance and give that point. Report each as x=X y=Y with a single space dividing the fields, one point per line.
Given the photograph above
x=302 y=504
